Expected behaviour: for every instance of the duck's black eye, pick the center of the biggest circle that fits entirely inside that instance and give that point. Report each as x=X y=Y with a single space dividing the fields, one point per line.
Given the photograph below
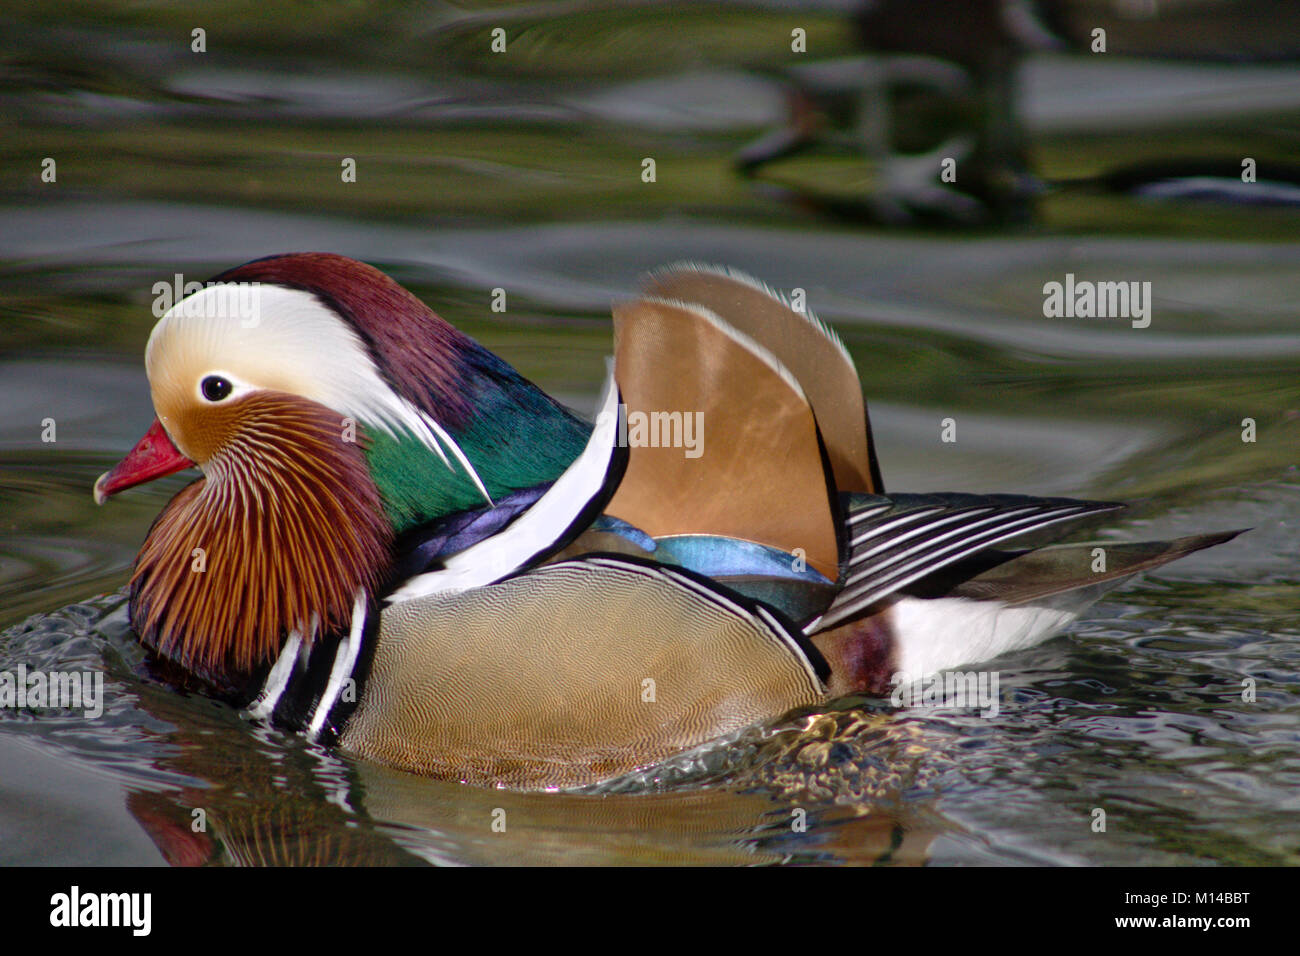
x=215 y=388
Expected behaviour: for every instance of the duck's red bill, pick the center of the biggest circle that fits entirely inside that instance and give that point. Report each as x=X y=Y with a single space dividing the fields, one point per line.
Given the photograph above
x=153 y=456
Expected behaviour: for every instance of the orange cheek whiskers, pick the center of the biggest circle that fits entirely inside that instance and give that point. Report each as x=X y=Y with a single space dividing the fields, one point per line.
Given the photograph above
x=284 y=530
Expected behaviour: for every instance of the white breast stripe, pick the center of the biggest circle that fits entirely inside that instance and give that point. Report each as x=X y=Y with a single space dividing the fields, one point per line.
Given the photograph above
x=536 y=529
x=277 y=680
x=345 y=659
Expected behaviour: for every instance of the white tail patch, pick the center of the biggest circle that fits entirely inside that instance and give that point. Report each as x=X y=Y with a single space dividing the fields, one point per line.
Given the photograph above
x=937 y=634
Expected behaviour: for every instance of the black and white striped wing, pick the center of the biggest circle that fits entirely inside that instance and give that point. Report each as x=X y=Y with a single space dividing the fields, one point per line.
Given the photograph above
x=897 y=539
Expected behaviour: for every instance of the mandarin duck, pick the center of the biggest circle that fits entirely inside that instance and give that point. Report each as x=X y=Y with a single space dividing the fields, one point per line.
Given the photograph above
x=402 y=547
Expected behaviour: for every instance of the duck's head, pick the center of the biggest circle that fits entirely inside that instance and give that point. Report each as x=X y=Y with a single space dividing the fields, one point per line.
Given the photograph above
x=329 y=411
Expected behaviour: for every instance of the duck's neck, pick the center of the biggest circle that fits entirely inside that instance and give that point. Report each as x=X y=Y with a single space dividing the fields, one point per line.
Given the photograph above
x=514 y=435
x=277 y=537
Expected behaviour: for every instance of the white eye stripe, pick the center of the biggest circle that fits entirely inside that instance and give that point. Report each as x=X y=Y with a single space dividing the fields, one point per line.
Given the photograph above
x=298 y=345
